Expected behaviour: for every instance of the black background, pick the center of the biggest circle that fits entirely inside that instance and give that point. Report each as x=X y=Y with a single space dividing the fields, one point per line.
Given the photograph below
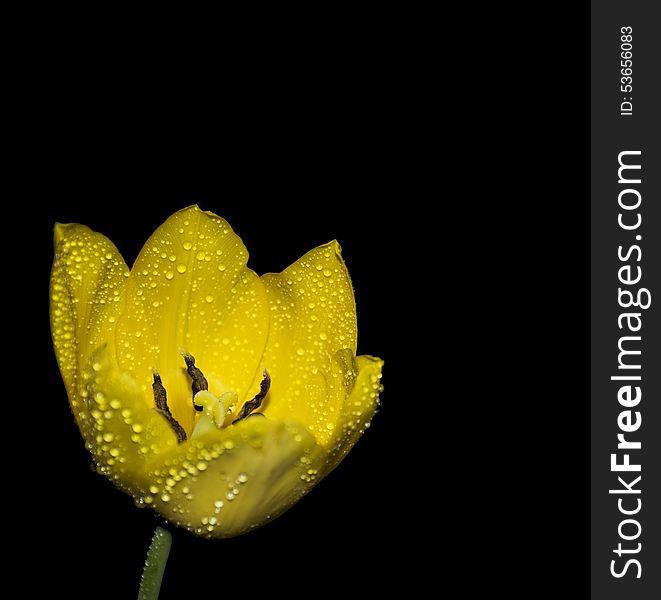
x=356 y=521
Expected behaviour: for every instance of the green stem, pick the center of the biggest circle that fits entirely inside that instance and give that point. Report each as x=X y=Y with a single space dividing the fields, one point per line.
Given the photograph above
x=157 y=558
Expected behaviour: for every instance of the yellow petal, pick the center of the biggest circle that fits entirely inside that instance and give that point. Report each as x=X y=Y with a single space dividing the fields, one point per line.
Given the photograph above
x=232 y=480
x=86 y=284
x=359 y=407
x=313 y=316
x=190 y=289
x=126 y=433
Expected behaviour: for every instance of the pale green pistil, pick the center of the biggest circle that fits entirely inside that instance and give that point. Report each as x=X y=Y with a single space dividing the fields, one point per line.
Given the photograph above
x=214 y=410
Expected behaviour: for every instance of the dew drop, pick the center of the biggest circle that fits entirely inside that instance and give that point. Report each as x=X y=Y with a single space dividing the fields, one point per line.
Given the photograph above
x=221 y=267
x=169 y=275
x=209 y=299
x=327 y=272
x=187 y=245
x=300 y=351
x=181 y=268
x=165 y=497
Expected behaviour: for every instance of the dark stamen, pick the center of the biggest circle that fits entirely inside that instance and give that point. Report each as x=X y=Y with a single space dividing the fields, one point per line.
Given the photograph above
x=161 y=400
x=256 y=402
x=199 y=380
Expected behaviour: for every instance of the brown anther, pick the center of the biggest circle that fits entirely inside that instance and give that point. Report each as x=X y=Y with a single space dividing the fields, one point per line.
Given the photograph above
x=256 y=402
x=161 y=400
x=199 y=380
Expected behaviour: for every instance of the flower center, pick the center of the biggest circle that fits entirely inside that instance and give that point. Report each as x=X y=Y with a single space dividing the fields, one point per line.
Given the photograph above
x=216 y=411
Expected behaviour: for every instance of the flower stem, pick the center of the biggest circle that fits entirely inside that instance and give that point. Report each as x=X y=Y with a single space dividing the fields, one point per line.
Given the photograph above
x=157 y=558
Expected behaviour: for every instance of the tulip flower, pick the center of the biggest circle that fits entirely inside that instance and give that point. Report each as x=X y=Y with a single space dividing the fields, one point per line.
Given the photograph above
x=212 y=395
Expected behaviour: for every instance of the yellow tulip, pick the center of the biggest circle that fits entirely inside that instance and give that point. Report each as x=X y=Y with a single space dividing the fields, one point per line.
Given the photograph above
x=214 y=396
